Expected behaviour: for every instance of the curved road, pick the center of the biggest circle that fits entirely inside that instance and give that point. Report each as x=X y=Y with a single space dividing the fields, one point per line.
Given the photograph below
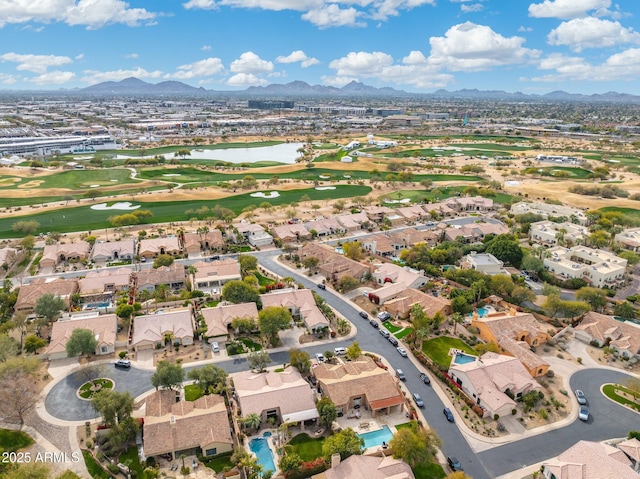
x=608 y=419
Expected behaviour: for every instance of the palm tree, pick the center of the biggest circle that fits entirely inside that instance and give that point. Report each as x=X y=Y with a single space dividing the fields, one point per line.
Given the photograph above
x=251 y=421
x=167 y=339
x=457 y=319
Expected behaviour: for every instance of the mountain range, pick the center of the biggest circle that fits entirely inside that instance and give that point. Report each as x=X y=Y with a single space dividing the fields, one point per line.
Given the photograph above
x=135 y=86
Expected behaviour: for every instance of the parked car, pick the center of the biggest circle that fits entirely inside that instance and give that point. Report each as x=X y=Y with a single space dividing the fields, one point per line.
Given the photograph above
x=384 y=333
x=400 y=375
x=580 y=397
x=384 y=315
x=365 y=294
x=454 y=464
x=123 y=363
x=418 y=400
x=374 y=323
x=424 y=378
x=322 y=286
x=402 y=351
x=583 y=413
x=393 y=340
x=363 y=315
x=215 y=347
x=448 y=414
x=320 y=357
x=339 y=351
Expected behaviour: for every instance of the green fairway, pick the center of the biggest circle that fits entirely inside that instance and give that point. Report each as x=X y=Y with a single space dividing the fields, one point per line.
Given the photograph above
x=83 y=218
x=73 y=179
x=630 y=212
x=559 y=172
x=163 y=150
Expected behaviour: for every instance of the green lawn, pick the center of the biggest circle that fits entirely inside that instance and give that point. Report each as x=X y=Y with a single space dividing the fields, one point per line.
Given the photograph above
x=192 y=392
x=252 y=345
x=404 y=333
x=130 y=458
x=11 y=441
x=219 y=462
x=85 y=391
x=93 y=467
x=306 y=447
x=610 y=391
x=429 y=471
x=438 y=349
x=263 y=280
x=81 y=218
x=391 y=327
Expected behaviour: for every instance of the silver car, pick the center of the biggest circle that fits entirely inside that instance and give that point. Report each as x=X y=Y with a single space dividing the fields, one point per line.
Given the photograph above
x=580 y=397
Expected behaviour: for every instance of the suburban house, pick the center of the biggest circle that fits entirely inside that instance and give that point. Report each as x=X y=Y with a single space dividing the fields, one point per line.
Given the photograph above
x=102 y=284
x=290 y=233
x=379 y=244
x=104 y=327
x=199 y=427
x=152 y=330
x=391 y=273
x=631 y=447
x=123 y=250
x=211 y=277
x=412 y=236
x=575 y=215
x=401 y=304
x=196 y=243
x=8 y=256
x=412 y=213
x=353 y=221
x=391 y=290
x=285 y=396
x=473 y=233
x=219 y=319
x=366 y=467
x=173 y=276
x=587 y=459
x=514 y=334
x=301 y=304
x=359 y=383
x=489 y=378
x=483 y=262
x=597 y=267
x=376 y=214
x=325 y=227
x=253 y=233
x=29 y=293
x=439 y=210
x=469 y=203
x=550 y=233
x=332 y=265
x=622 y=336
x=629 y=239
x=59 y=253
x=150 y=248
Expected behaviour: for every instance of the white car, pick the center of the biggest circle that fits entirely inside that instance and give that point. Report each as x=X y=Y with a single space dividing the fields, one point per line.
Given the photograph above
x=339 y=351
x=402 y=351
x=320 y=357
x=583 y=413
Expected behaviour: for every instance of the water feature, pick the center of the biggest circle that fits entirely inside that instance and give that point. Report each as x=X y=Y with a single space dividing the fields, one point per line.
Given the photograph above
x=260 y=447
x=376 y=438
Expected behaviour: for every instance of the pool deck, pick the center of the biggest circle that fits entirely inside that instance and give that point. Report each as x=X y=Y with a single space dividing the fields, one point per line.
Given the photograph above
x=270 y=443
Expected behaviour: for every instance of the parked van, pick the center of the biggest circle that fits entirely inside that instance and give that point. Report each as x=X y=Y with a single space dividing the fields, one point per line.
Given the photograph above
x=215 y=348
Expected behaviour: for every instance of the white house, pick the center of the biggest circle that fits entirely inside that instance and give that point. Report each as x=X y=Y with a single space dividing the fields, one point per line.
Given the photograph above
x=598 y=267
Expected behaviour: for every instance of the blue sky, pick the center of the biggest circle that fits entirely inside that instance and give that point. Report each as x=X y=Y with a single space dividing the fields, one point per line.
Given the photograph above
x=533 y=46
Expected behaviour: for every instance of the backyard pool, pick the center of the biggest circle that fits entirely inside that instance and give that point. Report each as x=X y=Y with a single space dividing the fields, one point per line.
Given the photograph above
x=376 y=438
x=97 y=305
x=261 y=449
x=482 y=312
x=461 y=358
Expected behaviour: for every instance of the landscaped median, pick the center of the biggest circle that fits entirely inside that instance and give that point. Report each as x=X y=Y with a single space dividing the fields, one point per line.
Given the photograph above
x=623 y=395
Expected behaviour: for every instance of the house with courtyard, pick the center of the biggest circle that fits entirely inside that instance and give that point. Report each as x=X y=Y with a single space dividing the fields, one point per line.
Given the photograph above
x=291 y=233
x=102 y=284
x=301 y=304
x=104 y=327
x=628 y=239
x=151 y=248
x=378 y=244
x=64 y=253
x=29 y=293
x=108 y=251
x=391 y=273
x=515 y=334
x=563 y=234
x=492 y=380
x=412 y=214
x=199 y=427
x=173 y=276
x=353 y=222
x=331 y=264
x=196 y=243
x=376 y=213
x=325 y=227
x=366 y=467
x=546 y=210
x=485 y=263
x=466 y=204
x=284 y=396
x=253 y=233
x=604 y=330
x=474 y=233
x=359 y=384
x=152 y=331
x=218 y=319
x=587 y=459
x=597 y=267
x=400 y=305
x=210 y=277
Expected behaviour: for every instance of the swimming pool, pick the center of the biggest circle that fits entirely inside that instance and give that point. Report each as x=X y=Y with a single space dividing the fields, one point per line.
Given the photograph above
x=376 y=438
x=97 y=305
x=461 y=358
x=261 y=448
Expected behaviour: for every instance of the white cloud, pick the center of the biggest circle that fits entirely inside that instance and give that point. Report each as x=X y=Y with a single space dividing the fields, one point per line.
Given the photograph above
x=92 y=13
x=35 y=63
x=415 y=57
x=200 y=4
x=589 y=32
x=471 y=47
x=476 y=7
x=566 y=9
x=79 y=56
x=298 y=56
x=132 y=56
x=524 y=29
x=333 y=16
x=249 y=62
x=53 y=78
x=202 y=68
x=392 y=8
x=246 y=79
x=8 y=79
x=361 y=64
x=205 y=48
x=95 y=76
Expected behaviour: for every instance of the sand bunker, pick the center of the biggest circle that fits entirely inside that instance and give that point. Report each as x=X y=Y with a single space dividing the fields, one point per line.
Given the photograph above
x=9 y=181
x=512 y=183
x=94 y=186
x=268 y=195
x=322 y=188
x=123 y=205
x=172 y=174
x=324 y=177
x=403 y=200
x=31 y=184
